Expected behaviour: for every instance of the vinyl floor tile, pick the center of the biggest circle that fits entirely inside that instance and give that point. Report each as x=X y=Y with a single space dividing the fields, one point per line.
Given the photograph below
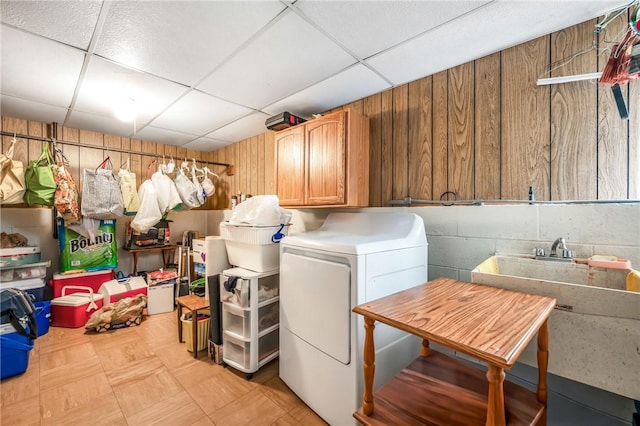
x=141 y=376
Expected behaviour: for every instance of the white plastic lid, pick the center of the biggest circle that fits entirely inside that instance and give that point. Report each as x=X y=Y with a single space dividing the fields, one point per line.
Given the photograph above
x=76 y=299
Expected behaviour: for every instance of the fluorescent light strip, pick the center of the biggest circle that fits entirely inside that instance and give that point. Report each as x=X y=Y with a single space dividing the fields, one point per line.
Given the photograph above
x=568 y=78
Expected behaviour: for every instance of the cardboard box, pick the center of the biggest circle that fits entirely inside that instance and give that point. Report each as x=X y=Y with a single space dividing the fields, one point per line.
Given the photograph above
x=80 y=253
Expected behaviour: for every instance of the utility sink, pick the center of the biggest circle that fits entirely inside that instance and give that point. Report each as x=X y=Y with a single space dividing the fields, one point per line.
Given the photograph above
x=594 y=333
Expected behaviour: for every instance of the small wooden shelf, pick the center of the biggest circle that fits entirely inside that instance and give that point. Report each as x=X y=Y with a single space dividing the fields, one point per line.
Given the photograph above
x=441 y=390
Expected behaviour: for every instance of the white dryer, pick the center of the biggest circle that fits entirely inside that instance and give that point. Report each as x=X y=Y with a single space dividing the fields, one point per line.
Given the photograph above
x=351 y=259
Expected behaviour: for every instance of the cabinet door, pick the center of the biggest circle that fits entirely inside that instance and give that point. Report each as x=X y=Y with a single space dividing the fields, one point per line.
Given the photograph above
x=290 y=166
x=326 y=146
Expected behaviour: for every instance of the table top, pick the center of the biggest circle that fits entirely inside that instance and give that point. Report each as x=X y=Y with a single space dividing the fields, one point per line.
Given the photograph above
x=192 y=302
x=150 y=249
x=489 y=323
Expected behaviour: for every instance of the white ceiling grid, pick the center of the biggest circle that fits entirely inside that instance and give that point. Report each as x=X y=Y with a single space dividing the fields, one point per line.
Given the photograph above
x=205 y=74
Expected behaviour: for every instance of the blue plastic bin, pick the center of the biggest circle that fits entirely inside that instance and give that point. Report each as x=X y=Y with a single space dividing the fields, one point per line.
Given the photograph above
x=14 y=352
x=43 y=316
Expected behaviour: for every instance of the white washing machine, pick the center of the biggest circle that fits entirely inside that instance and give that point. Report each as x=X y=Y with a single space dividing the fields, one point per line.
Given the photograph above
x=351 y=259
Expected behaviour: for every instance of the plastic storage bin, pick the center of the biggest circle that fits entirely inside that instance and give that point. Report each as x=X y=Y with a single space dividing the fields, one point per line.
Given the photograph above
x=33 y=286
x=248 y=356
x=252 y=247
x=266 y=284
x=23 y=272
x=14 y=351
x=160 y=298
x=83 y=279
x=250 y=319
x=204 y=321
x=17 y=256
x=43 y=316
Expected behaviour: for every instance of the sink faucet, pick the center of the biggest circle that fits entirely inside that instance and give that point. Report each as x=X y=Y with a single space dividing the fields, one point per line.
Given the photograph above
x=566 y=253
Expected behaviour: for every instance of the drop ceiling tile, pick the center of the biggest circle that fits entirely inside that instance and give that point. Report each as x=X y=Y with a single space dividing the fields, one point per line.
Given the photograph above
x=350 y=85
x=69 y=22
x=178 y=40
x=368 y=27
x=164 y=136
x=30 y=110
x=465 y=40
x=105 y=84
x=205 y=144
x=244 y=128
x=38 y=69
x=198 y=113
x=99 y=123
x=289 y=56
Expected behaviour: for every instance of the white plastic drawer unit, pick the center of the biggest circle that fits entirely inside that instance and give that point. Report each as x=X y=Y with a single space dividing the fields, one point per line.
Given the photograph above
x=242 y=281
x=247 y=355
x=237 y=320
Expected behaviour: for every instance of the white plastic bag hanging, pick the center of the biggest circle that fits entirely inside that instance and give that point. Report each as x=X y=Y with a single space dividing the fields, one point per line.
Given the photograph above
x=149 y=212
x=128 y=186
x=202 y=196
x=168 y=198
x=261 y=210
x=187 y=190
x=207 y=185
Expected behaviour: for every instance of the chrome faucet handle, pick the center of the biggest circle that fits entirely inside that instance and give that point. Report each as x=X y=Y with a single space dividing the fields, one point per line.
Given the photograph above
x=538 y=252
x=567 y=254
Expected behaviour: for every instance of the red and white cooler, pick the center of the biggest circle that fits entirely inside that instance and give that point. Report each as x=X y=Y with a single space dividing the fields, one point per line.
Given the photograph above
x=81 y=279
x=114 y=290
x=73 y=310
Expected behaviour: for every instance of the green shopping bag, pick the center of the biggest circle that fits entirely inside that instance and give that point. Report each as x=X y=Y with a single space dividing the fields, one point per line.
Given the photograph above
x=41 y=186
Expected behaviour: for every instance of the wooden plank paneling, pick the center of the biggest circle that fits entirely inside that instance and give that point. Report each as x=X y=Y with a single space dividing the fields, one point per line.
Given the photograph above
x=252 y=187
x=573 y=142
x=372 y=109
x=269 y=168
x=260 y=166
x=461 y=130
x=440 y=134
x=612 y=130
x=72 y=152
x=420 y=142
x=386 y=190
x=487 y=128
x=525 y=121
x=400 y=188
x=111 y=141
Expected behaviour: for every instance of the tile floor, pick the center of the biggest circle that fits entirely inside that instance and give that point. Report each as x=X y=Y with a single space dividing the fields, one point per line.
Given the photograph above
x=141 y=376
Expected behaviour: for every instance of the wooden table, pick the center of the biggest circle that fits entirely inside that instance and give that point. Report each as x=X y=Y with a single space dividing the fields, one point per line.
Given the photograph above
x=167 y=253
x=491 y=324
x=193 y=304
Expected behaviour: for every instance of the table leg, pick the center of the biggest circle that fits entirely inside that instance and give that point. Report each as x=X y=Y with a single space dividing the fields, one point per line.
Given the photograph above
x=194 y=334
x=135 y=262
x=369 y=359
x=495 y=403
x=179 y=323
x=425 y=351
x=543 y=363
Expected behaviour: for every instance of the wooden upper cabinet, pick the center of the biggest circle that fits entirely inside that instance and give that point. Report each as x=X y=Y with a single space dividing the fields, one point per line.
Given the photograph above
x=324 y=162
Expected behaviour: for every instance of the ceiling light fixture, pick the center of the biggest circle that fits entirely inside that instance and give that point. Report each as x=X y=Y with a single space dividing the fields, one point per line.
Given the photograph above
x=126 y=109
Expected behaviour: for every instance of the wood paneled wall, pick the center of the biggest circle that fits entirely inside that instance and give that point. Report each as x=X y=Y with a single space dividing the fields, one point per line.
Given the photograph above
x=483 y=130
x=486 y=131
